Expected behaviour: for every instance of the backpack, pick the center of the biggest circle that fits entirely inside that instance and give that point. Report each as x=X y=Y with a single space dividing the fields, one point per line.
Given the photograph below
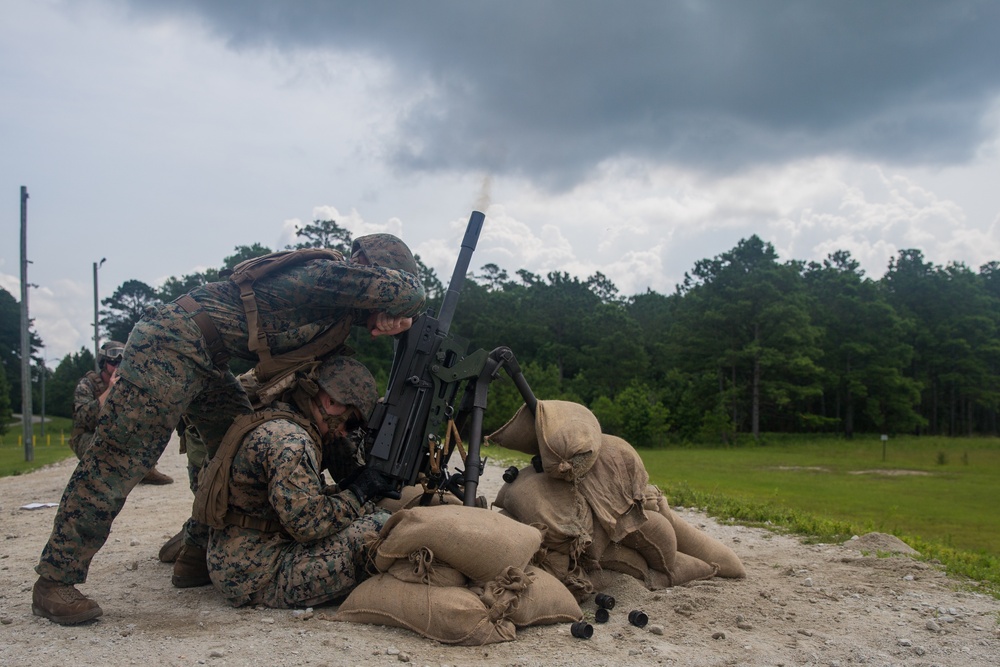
x=211 y=500
x=273 y=368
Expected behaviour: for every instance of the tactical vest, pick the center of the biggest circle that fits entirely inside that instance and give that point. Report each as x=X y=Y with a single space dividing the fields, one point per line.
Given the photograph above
x=211 y=501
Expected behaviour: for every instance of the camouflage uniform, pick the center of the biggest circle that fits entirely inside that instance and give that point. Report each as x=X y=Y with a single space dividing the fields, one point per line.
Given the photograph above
x=167 y=371
x=86 y=407
x=316 y=551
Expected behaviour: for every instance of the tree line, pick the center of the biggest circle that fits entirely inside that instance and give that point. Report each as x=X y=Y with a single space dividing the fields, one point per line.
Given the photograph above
x=745 y=345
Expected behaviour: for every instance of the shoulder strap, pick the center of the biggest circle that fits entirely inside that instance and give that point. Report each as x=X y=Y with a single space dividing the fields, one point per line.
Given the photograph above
x=211 y=500
x=249 y=271
x=331 y=340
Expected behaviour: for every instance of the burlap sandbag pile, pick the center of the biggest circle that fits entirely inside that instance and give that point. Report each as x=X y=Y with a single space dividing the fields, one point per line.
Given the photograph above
x=459 y=575
x=595 y=508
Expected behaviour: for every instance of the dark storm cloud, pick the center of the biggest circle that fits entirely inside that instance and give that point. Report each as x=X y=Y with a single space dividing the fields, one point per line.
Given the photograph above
x=549 y=89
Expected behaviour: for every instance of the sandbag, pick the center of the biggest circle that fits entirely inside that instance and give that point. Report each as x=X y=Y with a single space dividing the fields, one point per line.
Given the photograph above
x=518 y=433
x=567 y=570
x=703 y=546
x=623 y=559
x=448 y=614
x=599 y=542
x=553 y=562
x=688 y=568
x=421 y=568
x=685 y=568
x=656 y=541
x=537 y=499
x=615 y=487
x=478 y=543
x=531 y=597
x=628 y=561
x=569 y=438
x=653 y=499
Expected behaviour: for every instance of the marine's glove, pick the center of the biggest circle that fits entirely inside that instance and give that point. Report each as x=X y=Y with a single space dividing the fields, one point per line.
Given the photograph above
x=370 y=484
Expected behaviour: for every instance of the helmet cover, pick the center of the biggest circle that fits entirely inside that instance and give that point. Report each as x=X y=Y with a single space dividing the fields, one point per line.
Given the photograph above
x=348 y=382
x=387 y=251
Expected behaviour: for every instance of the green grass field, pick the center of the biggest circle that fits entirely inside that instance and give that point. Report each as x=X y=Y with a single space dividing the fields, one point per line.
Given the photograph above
x=47 y=449
x=940 y=489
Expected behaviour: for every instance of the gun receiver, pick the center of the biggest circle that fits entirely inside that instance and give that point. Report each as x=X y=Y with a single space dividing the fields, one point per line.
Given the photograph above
x=408 y=432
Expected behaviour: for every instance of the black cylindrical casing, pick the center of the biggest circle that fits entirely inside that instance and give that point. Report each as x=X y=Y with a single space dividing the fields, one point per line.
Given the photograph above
x=638 y=618
x=601 y=615
x=582 y=630
x=604 y=601
x=510 y=474
x=536 y=463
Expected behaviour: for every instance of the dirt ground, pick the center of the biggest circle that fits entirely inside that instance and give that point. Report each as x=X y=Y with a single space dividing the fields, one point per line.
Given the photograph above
x=832 y=604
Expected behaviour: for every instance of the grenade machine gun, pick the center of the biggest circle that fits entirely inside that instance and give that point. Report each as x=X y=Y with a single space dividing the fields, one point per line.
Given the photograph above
x=436 y=391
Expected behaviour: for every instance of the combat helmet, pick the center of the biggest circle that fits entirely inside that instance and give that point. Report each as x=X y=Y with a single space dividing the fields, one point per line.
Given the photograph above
x=387 y=251
x=348 y=382
x=111 y=350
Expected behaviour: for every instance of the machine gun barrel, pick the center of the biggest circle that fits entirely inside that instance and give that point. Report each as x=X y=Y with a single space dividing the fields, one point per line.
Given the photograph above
x=450 y=302
x=429 y=367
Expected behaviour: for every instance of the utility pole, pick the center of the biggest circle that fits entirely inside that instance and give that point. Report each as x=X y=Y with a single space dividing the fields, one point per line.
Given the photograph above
x=29 y=450
x=45 y=371
x=97 y=337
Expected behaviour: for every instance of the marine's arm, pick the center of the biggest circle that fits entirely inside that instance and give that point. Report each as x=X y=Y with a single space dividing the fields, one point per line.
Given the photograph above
x=369 y=288
x=295 y=489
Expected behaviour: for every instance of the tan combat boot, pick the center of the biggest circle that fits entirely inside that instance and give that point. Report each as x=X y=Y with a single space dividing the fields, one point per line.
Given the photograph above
x=62 y=603
x=154 y=476
x=190 y=568
x=172 y=547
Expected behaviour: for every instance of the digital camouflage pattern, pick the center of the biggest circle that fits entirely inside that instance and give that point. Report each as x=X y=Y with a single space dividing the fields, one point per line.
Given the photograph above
x=319 y=555
x=167 y=371
x=386 y=250
x=86 y=407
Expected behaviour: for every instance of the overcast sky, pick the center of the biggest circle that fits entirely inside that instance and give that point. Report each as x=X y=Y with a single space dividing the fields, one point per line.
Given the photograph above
x=630 y=138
